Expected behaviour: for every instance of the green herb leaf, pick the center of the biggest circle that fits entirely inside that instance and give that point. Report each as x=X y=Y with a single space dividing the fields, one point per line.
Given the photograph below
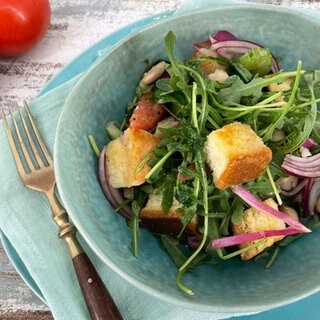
x=173 y=248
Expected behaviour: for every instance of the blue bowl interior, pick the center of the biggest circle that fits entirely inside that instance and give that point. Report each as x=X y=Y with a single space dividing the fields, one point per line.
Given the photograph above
x=101 y=96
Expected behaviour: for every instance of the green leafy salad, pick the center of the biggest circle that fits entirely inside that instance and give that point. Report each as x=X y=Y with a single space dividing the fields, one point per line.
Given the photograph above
x=218 y=155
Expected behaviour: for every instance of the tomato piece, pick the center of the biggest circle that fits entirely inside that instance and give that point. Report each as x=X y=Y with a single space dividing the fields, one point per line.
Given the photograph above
x=23 y=23
x=147 y=114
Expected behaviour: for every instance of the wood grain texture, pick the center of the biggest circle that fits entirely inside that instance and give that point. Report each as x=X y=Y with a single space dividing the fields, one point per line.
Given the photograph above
x=75 y=26
x=99 y=301
x=17 y=301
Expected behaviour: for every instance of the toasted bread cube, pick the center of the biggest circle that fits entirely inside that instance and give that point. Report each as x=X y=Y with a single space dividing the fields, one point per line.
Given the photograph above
x=236 y=154
x=284 y=86
x=155 y=220
x=208 y=66
x=125 y=153
x=253 y=221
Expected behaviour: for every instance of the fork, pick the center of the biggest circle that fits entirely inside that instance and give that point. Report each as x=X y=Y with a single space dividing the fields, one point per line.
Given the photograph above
x=37 y=172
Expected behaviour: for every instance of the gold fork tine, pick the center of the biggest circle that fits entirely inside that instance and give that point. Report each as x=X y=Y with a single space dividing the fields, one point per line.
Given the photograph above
x=13 y=147
x=100 y=303
x=31 y=142
x=22 y=144
x=38 y=136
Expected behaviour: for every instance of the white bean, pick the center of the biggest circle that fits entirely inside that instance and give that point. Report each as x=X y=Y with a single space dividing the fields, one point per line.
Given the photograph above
x=153 y=74
x=288 y=183
x=218 y=75
x=278 y=135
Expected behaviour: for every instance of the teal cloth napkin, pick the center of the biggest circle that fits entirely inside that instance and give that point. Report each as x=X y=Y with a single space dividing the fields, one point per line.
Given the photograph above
x=25 y=219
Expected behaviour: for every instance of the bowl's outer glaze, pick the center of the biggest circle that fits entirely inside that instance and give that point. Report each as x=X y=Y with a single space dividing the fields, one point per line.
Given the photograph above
x=102 y=94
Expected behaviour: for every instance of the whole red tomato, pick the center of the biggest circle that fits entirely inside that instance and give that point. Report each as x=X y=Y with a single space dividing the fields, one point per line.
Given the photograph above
x=23 y=23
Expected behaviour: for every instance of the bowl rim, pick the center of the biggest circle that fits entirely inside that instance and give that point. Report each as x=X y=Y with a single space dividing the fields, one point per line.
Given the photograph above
x=81 y=228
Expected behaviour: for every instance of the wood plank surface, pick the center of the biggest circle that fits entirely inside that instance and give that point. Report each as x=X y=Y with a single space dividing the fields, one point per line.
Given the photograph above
x=75 y=26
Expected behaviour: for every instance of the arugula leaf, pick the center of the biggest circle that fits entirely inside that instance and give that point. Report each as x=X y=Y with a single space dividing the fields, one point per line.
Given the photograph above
x=241 y=71
x=305 y=118
x=179 y=78
x=173 y=248
x=237 y=211
x=238 y=89
x=166 y=189
x=315 y=134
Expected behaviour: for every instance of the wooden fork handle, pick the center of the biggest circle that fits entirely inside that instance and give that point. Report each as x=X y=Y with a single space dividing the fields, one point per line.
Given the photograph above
x=98 y=299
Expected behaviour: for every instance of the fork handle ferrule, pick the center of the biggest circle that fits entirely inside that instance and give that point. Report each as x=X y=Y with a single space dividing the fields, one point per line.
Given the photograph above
x=69 y=235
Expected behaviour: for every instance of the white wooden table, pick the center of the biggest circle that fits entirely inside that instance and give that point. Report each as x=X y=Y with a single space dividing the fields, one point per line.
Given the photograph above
x=75 y=25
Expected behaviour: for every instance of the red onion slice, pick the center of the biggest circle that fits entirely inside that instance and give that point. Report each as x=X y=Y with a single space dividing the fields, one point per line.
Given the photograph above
x=301 y=172
x=202 y=45
x=309 y=143
x=248 y=237
x=231 y=52
x=313 y=196
x=208 y=52
x=240 y=47
x=307 y=191
x=223 y=35
x=251 y=200
x=302 y=160
x=297 y=164
x=305 y=167
x=296 y=190
x=113 y=195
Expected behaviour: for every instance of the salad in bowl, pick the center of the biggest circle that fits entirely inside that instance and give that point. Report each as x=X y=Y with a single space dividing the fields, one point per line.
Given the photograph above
x=217 y=155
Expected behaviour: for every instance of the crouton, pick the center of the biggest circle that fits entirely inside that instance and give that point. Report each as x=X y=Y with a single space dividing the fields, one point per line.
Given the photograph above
x=236 y=154
x=209 y=66
x=253 y=221
x=284 y=86
x=156 y=221
x=125 y=153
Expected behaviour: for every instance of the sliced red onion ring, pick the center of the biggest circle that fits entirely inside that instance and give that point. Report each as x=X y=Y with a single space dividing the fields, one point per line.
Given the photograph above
x=306 y=197
x=248 y=237
x=306 y=168
x=313 y=196
x=223 y=35
x=112 y=194
x=208 y=52
x=309 y=143
x=251 y=200
x=231 y=52
x=203 y=44
x=295 y=190
x=311 y=164
x=302 y=167
x=240 y=47
x=301 y=172
x=302 y=160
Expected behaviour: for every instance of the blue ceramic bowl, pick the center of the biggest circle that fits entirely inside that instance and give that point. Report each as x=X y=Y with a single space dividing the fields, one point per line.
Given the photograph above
x=102 y=94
